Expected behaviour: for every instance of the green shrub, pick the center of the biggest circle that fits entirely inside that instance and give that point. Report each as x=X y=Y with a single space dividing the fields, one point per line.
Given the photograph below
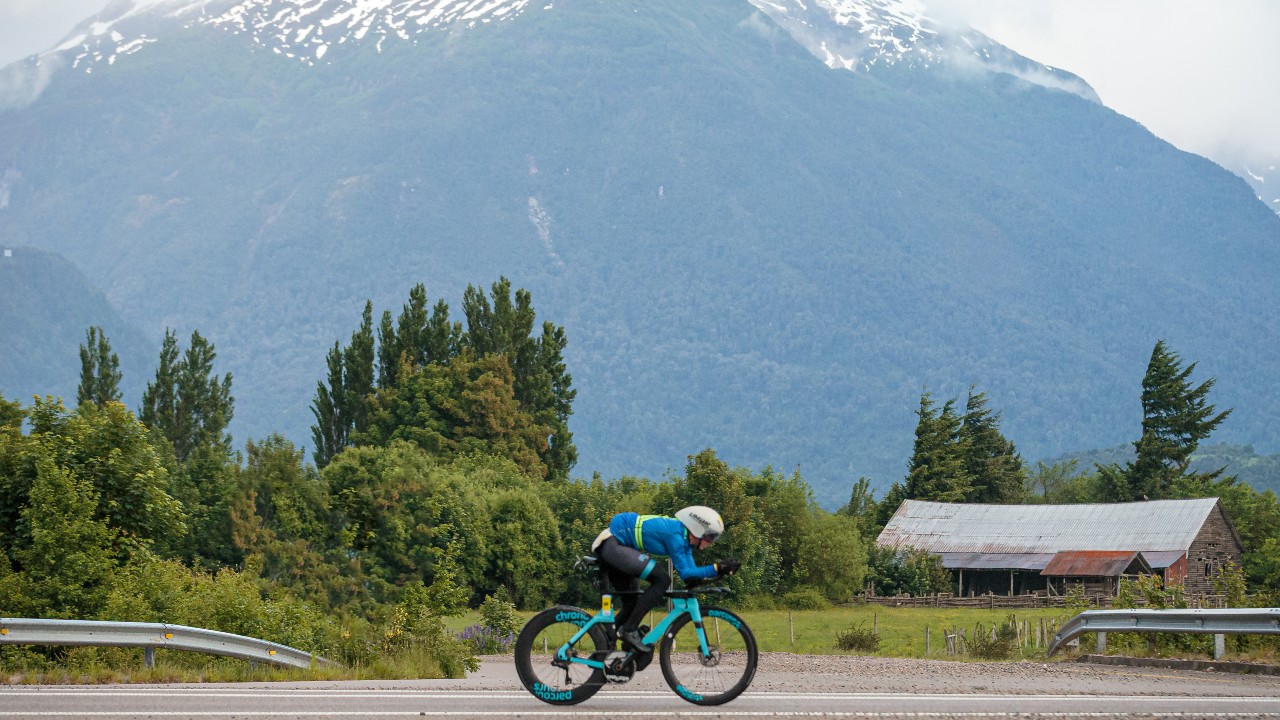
x=997 y=644
x=498 y=613
x=805 y=598
x=857 y=638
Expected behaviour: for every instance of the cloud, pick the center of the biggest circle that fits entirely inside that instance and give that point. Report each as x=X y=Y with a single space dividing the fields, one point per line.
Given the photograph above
x=1199 y=75
x=22 y=82
x=28 y=27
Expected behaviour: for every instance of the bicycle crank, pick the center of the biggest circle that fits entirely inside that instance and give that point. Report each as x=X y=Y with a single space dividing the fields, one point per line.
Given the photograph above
x=619 y=667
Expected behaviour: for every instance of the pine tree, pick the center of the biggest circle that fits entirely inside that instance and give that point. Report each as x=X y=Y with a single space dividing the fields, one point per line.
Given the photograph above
x=99 y=370
x=936 y=471
x=1176 y=416
x=991 y=462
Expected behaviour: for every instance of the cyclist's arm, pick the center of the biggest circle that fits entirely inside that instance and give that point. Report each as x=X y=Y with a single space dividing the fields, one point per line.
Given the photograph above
x=682 y=559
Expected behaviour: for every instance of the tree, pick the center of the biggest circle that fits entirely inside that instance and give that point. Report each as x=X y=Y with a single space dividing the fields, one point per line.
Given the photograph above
x=281 y=521
x=710 y=481
x=99 y=370
x=936 y=470
x=543 y=386
x=833 y=557
x=187 y=403
x=990 y=461
x=1061 y=484
x=68 y=560
x=1176 y=416
x=342 y=408
x=11 y=413
x=418 y=338
x=108 y=449
x=436 y=383
x=465 y=407
x=396 y=509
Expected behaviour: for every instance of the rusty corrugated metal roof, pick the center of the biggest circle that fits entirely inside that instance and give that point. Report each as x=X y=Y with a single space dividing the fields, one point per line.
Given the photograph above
x=1096 y=563
x=1156 y=525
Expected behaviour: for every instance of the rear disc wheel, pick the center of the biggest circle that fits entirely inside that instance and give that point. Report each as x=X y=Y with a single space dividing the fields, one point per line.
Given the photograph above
x=549 y=678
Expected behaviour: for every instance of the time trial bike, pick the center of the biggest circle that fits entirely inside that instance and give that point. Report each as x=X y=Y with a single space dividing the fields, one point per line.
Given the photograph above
x=708 y=655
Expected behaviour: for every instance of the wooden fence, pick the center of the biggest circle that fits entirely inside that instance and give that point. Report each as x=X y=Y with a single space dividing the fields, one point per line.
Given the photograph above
x=994 y=602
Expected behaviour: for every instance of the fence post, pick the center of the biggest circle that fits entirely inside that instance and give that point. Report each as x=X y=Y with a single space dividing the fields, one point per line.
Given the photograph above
x=791 y=628
x=926 y=640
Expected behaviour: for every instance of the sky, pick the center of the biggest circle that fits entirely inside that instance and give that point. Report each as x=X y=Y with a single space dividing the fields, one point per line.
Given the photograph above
x=1204 y=76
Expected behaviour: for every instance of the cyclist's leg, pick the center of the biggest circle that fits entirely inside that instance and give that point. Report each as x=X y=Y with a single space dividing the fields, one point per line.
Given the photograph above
x=659 y=580
x=628 y=563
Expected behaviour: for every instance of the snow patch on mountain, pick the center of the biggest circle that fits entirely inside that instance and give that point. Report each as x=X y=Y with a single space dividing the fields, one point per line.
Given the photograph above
x=1256 y=175
x=859 y=35
x=854 y=35
x=307 y=29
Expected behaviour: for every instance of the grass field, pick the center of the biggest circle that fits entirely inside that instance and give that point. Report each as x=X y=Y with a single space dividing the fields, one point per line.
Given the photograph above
x=901 y=630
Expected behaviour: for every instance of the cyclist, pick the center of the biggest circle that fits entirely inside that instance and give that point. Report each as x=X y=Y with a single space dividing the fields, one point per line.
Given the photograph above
x=626 y=547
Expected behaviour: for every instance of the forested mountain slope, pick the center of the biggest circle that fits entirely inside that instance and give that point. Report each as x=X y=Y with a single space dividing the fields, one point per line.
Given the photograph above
x=749 y=249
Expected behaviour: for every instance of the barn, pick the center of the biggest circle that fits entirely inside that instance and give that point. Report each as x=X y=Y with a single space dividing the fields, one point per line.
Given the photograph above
x=1018 y=549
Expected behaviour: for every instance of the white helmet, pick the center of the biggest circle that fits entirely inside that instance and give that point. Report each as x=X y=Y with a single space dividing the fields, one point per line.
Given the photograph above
x=702 y=522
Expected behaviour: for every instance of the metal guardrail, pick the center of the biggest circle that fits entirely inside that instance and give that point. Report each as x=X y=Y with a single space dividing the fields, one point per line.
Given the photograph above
x=1216 y=622
x=149 y=636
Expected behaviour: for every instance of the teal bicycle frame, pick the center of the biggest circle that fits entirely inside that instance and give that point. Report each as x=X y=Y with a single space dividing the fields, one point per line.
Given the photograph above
x=679 y=606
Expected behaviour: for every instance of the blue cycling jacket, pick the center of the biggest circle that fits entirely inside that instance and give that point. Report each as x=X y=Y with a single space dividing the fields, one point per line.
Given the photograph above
x=659 y=535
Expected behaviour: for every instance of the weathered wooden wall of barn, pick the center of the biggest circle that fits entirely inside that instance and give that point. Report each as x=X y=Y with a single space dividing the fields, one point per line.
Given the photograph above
x=1215 y=545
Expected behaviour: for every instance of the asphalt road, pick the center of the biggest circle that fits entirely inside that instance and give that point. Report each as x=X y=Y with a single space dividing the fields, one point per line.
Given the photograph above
x=794 y=687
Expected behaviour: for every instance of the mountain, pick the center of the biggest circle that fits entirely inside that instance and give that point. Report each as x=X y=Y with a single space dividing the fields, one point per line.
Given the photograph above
x=765 y=227
x=46 y=306
x=1260 y=472
x=1257 y=174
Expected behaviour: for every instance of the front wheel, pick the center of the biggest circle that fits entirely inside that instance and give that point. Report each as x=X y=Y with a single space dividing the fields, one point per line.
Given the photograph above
x=551 y=679
x=721 y=675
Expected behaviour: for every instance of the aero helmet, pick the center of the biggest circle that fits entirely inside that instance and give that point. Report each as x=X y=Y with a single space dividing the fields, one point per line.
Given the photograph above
x=702 y=522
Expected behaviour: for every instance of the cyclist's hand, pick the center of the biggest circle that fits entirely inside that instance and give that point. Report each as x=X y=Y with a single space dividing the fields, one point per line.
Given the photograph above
x=725 y=568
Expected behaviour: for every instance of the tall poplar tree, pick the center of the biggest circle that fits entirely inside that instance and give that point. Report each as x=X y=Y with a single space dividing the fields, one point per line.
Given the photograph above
x=99 y=370
x=187 y=403
x=342 y=408
x=417 y=338
x=1176 y=416
x=414 y=352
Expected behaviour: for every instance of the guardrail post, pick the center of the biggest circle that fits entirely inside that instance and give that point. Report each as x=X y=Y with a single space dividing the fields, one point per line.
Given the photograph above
x=1102 y=643
x=1219 y=646
x=149 y=657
